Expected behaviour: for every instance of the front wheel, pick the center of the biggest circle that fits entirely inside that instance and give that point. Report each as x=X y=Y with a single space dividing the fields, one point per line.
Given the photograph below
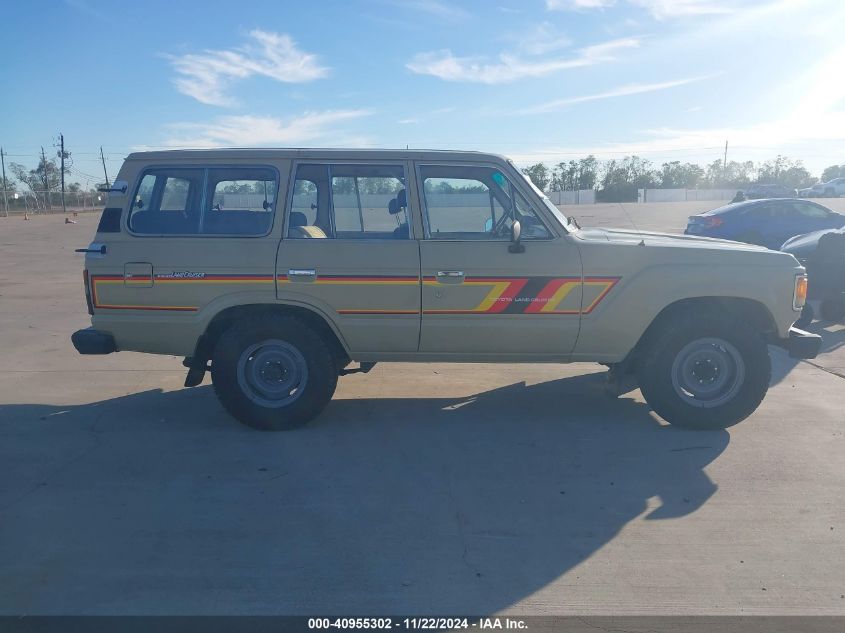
x=704 y=371
x=273 y=372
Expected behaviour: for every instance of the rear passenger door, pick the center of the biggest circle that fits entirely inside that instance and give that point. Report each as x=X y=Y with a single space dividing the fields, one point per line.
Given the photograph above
x=189 y=237
x=349 y=250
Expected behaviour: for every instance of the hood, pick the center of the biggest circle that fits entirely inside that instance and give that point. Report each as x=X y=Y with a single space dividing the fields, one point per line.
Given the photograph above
x=651 y=238
x=803 y=245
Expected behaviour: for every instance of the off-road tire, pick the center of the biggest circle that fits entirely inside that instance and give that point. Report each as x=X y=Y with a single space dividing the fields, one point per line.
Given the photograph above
x=833 y=310
x=807 y=316
x=319 y=384
x=664 y=343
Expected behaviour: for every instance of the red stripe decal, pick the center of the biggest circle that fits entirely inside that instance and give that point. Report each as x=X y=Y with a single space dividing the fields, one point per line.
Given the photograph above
x=507 y=297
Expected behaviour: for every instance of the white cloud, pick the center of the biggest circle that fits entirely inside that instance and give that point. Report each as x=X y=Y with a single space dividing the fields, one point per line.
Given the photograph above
x=664 y=9
x=541 y=39
x=251 y=130
x=444 y=65
x=659 y=9
x=621 y=91
x=207 y=76
x=408 y=121
x=570 y=5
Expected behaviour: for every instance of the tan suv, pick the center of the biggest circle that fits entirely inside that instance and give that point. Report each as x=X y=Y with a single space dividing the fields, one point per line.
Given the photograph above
x=276 y=269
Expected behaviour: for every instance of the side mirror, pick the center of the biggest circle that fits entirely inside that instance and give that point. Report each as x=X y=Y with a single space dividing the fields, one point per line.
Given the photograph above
x=516 y=232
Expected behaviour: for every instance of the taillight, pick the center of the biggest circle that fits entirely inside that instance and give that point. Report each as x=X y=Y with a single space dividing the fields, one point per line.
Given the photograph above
x=713 y=221
x=88 y=292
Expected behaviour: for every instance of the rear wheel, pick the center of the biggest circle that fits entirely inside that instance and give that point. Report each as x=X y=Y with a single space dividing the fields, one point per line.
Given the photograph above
x=273 y=372
x=704 y=370
x=807 y=316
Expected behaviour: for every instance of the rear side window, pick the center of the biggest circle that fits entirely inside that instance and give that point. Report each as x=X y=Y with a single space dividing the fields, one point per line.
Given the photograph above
x=167 y=202
x=236 y=201
x=810 y=210
x=349 y=202
x=240 y=201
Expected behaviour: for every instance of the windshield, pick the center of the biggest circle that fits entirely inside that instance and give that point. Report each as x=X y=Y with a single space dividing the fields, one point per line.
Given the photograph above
x=560 y=217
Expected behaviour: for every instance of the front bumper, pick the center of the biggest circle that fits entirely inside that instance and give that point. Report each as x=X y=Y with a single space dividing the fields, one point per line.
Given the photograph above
x=801 y=344
x=91 y=341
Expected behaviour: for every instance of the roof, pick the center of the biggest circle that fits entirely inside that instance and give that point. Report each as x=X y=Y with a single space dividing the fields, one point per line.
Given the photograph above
x=749 y=203
x=316 y=153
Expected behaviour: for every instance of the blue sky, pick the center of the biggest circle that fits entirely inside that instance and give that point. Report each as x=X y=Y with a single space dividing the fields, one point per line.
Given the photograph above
x=537 y=80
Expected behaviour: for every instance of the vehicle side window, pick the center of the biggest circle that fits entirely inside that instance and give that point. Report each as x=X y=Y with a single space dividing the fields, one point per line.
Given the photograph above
x=167 y=202
x=810 y=210
x=768 y=211
x=239 y=201
x=349 y=202
x=475 y=203
x=305 y=200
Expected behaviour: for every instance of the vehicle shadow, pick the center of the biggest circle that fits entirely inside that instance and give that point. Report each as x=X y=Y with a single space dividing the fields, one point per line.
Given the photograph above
x=833 y=338
x=160 y=503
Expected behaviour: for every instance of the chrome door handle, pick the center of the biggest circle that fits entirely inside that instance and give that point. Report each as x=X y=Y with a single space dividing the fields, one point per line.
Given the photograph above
x=302 y=274
x=450 y=277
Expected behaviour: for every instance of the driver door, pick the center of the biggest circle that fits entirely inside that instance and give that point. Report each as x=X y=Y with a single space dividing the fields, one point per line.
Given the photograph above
x=478 y=297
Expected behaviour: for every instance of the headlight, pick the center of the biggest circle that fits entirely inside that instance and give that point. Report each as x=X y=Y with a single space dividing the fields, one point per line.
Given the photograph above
x=799 y=297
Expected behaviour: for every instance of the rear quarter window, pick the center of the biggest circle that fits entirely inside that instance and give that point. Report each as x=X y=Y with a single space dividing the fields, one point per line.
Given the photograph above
x=230 y=201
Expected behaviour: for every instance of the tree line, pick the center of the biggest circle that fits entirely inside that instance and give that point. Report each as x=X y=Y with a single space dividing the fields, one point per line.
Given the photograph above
x=614 y=180
x=42 y=181
x=617 y=180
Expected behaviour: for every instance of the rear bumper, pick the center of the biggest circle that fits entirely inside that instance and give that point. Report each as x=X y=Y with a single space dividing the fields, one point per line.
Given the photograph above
x=91 y=341
x=801 y=344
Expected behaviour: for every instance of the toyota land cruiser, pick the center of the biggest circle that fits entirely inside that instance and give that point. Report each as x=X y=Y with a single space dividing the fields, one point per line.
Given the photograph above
x=276 y=270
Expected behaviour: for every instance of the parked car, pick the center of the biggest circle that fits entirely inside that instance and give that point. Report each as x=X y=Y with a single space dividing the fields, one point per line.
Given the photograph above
x=757 y=192
x=334 y=257
x=764 y=222
x=822 y=253
x=830 y=189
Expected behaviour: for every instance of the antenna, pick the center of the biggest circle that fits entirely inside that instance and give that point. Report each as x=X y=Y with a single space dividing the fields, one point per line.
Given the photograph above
x=630 y=219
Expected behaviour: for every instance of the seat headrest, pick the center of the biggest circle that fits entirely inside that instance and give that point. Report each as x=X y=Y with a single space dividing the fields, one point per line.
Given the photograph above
x=398 y=203
x=307 y=232
x=298 y=218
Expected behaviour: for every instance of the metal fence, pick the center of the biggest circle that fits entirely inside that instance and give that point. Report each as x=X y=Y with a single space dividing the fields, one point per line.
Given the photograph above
x=39 y=202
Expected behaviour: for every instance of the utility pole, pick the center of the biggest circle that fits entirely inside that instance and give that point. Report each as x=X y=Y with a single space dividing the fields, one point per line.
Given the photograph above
x=105 y=173
x=47 y=203
x=5 y=201
x=725 y=161
x=62 y=155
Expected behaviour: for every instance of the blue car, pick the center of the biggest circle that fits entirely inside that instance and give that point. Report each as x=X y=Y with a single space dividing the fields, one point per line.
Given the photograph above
x=765 y=222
